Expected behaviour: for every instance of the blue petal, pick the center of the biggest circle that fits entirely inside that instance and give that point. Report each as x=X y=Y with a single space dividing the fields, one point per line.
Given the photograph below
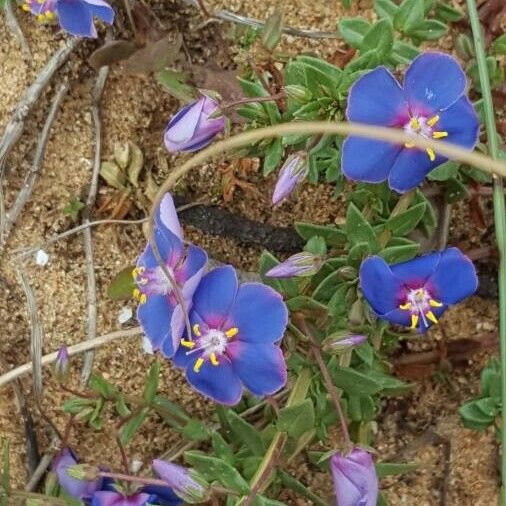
x=261 y=367
x=155 y=318
x=414 y=273
x=397 y=316
x=75 y=18
x=161 y=496
x=101 y=9
x=169 y=246
x=454 y=279
x=182 y=359
x=166 y=216
x=433 y=82
x=200 y=143
x=410 y=169
x=194 y=263
x=380 y=287
x=377 y=98
x=183 y=125
x=368 y=160
x=220 y=383
x=215 y=295
x=461 y=123
x=259 y=313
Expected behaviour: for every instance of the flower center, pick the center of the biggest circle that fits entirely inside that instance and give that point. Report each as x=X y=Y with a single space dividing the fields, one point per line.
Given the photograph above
x=43 y=9
x=212 y=343
x=420 y=125
x=151 y=282
x=419 y=303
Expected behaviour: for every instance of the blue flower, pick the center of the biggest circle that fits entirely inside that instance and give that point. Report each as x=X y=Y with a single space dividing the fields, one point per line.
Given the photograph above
x=417 y=292
x=235 y=334
x=74 y=16
x=431 y=103
x=160 y=315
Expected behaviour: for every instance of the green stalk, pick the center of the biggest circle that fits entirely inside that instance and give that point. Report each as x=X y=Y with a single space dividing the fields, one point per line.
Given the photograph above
x=499 y=212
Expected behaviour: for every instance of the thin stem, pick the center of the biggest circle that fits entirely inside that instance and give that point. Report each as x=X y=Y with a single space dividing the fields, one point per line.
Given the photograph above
x=402 y=205
x=499 y=211
x=249 y=100
x=133 y=479
x=124 y=458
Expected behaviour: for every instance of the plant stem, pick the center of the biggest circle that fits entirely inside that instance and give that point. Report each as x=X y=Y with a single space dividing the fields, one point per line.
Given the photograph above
x=249 y=100
x=133 y=479
x=402 y=205
x=499 y=211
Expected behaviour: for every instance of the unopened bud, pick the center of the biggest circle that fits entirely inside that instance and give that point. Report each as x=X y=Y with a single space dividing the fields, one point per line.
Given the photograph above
x=356 y=315
x=293 y=171
x=83 y=472
x=297 y=92
x=340 y=341
x=347 y=273
x=61 y=365
x=300 y=264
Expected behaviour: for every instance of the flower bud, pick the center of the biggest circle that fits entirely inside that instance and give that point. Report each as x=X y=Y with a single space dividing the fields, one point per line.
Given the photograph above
x=340 y=341
x=193 y=128
x=83 y=472
x=187 y=484
x=294 y=170
x=355 y=480
x=297 y=92
x=347 y=272
x=61 y=365
x=300 y=264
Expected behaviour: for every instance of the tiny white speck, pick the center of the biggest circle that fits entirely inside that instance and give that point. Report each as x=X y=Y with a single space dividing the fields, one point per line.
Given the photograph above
x=125 y=314
x=135 y=466
x=146 y=346
x=41 y=258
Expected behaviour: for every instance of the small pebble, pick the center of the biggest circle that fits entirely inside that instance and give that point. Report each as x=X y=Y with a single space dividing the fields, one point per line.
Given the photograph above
x=124 y=315
x=41 y=258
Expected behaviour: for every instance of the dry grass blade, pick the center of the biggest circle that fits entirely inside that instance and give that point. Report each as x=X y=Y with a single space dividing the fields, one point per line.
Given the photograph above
x=12 y=22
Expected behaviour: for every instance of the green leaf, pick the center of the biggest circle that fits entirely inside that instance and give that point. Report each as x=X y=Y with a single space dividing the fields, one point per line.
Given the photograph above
x=271 y=32
x=73 y=208
x=296 y=420
x=361 y=408
x=385 y=9
x=380 y=37
x=273 y=155
x=152 y=383
x=396 y=254
x=299 y=488
x=286 y=287
x=358 y=253
x=352 y=30
x=490 y=380
x=455 y=190
x=354 y=382
x=403 y=53
x=122 y=285
x=479 y=414
x=175 y=84
x=129 y=429
x=102 y=387
x=332 y=235
x=195 y=430
x=384 y=469
x=409 y=15
x=324 y=291
x=447 y=13
x=358 y=229
x=366 y=353
x=215 y=469
x=121 y=406
x=301 y=302
x=316 y=245
x=444 y=172
x=405 y=222
x=499 y=45
x=222 y=449
x=429 y=29
x=246 y=433
x=170 y=411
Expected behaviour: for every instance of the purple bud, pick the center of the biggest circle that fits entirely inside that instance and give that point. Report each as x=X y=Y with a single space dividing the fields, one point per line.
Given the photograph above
x=341 y=341
x=300 y=264
x=294 y=170
x=355 y=479
x=62 y=364
x=187 y=484
x=192 y=128
x=111 y=498
x=79 y=489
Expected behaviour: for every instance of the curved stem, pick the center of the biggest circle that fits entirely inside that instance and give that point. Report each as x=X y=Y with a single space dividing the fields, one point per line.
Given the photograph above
x=499 y=211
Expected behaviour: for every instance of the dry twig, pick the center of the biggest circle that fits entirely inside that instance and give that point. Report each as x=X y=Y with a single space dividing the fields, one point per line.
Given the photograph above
x=90 y=202
x=27 y=188
x=12 y=23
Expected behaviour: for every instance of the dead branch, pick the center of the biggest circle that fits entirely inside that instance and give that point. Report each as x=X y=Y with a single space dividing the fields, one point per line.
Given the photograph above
x=90 y=203
x=26 y=190
x=16 y=125
x=72 y=350
x=43 y=464
x=12 y=23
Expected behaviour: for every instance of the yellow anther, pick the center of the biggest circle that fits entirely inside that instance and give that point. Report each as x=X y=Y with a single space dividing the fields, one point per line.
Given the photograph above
x=41 y=18
x=135 y=271
x=432 y=155
x=431 y=316
x=50 y=15
x=414 y=321
x=136 y=293
x=409 y=144
x=406 y=306
x=40 y=1
x=213 y=358
x=414 y=123
x=187 y=344
x=25 y=7
x=143 y=298
x=198 y=364
x=435 y=303
x=432 y=121
x=196 y=329
x=232 y=332
x=439 y=135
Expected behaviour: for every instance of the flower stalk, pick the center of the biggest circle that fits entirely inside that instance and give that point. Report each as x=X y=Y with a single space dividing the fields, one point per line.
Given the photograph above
x=499 y=209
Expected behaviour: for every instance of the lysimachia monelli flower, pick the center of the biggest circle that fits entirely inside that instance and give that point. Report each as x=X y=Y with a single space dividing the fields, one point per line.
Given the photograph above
x=74 y=16
x=417 y=292
x=160 y=315
x=235 y=341
x=298 y=265
x=431 y=103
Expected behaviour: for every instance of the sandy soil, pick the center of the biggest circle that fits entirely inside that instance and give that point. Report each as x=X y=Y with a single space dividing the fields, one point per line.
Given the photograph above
x=458 y=467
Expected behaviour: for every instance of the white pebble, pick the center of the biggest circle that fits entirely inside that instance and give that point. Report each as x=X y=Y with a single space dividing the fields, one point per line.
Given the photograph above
x=124 y=315
x=41 y=258
x=146 y=346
